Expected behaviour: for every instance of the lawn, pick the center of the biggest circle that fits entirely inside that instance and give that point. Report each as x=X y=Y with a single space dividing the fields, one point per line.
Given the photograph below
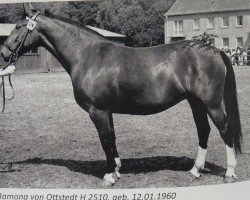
x=53 y=143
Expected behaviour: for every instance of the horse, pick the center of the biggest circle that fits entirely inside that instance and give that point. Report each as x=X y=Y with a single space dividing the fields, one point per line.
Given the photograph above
x=111 y=78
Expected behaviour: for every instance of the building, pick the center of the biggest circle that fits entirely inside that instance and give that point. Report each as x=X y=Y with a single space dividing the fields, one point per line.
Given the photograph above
x=228 y=19
x=40 y=60
x=115 y=37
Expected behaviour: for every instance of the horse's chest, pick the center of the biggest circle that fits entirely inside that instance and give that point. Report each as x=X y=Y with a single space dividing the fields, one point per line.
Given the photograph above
x=89 y=90
x=81 y=100
x=82 y=94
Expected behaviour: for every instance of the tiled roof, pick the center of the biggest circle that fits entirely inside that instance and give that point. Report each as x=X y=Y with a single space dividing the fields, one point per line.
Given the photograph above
x=5 y=29
x=185 y=7
x=105 y=33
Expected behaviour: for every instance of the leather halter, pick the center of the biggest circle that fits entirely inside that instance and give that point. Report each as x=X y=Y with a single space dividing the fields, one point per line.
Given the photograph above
x=14 y=55
x=29 y=28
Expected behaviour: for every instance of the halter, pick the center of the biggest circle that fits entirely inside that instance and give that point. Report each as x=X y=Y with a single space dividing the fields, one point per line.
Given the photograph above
x=29 y=28
x=14 y=55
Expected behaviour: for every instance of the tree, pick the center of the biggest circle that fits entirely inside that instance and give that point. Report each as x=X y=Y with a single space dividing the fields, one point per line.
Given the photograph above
x=155 y=21
x=142 y=21
x=10 y=13
x=83 y=12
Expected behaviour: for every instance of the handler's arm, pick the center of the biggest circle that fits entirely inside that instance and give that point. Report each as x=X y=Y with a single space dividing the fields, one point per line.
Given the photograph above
x=7 y=71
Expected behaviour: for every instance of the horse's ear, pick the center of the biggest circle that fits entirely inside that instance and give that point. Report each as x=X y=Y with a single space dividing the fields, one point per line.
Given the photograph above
x=28 y=9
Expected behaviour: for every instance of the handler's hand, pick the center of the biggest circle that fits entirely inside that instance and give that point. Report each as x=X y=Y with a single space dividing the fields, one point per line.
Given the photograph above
x=9 y=70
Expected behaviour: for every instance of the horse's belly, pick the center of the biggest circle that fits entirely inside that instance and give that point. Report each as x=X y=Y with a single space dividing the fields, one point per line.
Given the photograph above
x=144 y=109
x=147 y=104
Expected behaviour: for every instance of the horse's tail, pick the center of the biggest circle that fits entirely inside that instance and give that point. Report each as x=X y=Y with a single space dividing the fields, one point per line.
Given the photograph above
x=231 y=105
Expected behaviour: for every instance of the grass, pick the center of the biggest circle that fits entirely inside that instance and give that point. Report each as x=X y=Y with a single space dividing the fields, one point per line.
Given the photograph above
x=53 y=143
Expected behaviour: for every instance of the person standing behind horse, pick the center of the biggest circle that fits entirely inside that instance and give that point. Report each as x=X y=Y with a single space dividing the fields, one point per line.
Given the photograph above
x=244 y=56
x=228 y=52
x=237 y=56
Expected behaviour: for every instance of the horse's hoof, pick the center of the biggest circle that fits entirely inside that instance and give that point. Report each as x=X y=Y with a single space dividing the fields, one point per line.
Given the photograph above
x=229 y=179
x=195 y=173
x=108 y=180
x=107 y=183
x=193 y=177
x=117 y=176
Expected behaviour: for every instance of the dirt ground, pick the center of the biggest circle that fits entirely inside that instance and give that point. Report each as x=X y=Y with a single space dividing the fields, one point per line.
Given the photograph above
x=53 y=143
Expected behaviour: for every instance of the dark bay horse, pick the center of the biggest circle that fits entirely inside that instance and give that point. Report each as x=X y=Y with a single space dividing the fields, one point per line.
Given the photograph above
x=109 y=78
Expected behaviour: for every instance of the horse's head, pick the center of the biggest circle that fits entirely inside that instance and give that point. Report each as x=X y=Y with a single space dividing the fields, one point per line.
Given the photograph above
x=23 y=37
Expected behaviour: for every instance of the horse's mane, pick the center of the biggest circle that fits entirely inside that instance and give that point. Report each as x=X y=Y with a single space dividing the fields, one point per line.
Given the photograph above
x=72 y=22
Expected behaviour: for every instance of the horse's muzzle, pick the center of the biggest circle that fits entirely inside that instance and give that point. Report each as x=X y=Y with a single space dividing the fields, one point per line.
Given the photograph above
x=6 y=53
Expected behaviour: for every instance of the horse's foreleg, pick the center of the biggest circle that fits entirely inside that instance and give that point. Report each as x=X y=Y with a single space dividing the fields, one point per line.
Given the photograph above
x=219 y=118
x=117 y=159
x=200 y=117
x=104 y=124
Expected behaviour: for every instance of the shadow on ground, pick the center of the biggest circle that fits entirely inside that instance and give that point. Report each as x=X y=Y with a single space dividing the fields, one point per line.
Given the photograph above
x=133 y=165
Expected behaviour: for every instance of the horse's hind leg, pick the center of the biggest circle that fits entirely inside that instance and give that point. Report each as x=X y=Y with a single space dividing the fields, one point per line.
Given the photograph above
x=201 y=120
x=219 y=118
x=104 y=124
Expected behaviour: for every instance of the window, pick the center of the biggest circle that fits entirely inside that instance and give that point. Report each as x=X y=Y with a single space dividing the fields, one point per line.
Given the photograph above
x=196 y=24
x=239 y=42
x=239 y=21
x=178 y=27
x=225 y=22
x=225 y=42
x=210 y=23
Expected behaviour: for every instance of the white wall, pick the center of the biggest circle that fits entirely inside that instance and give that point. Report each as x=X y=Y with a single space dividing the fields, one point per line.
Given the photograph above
x=231 y=32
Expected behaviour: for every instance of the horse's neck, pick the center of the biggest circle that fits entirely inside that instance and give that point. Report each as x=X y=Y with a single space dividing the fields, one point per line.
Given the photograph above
x=66 y=42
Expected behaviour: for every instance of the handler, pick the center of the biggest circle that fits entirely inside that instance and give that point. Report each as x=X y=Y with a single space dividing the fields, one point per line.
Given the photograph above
x=4 y=72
